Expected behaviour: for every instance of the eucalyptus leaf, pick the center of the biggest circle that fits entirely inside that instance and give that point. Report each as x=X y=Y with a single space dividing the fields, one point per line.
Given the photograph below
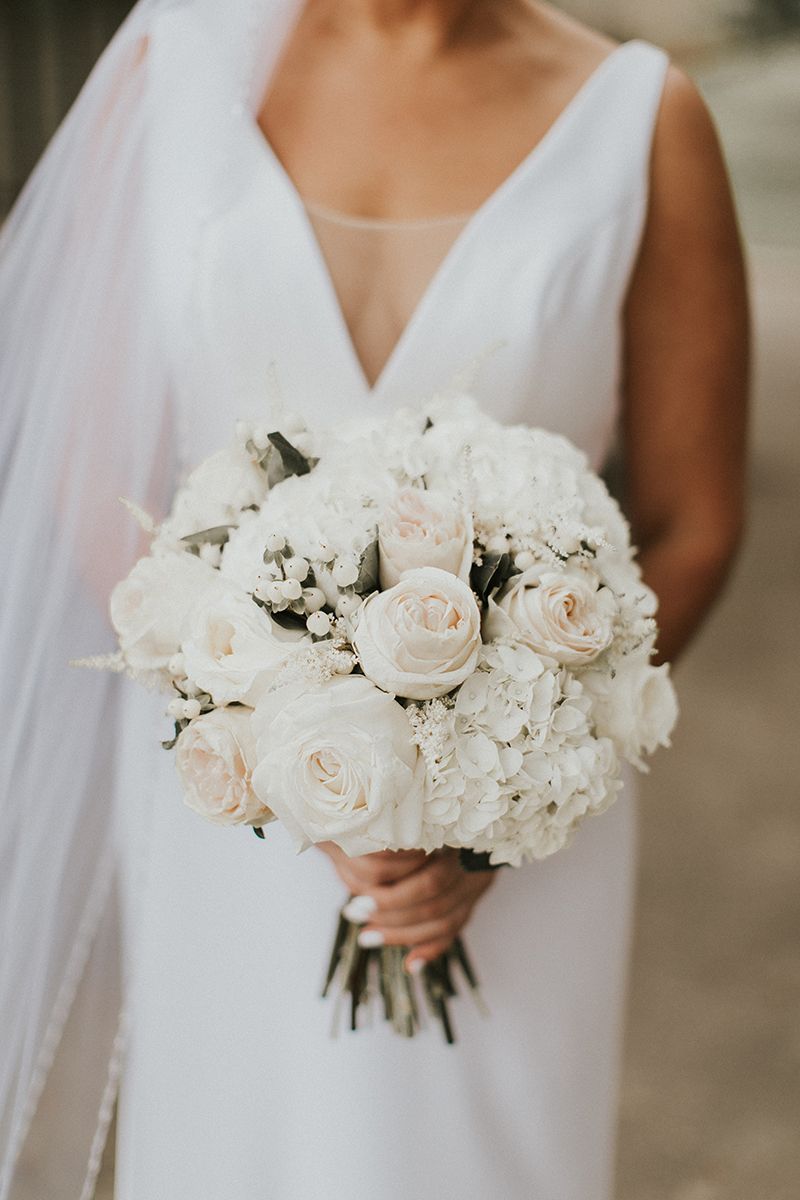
x=179 y=728
x=490 y=575
x=216 y=536
x=367 y=570
x=288 y=619
x=294 y=463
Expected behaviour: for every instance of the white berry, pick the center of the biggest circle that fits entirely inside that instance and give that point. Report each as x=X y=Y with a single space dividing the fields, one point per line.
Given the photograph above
x=319 y=623
x=313 y=598
x=295 y=568
x=191 y=709
x=524 y=559
x=345 y=572
x=275 y=543
x=326 y=553
x=176 y=666
x=273 y=591
x=347 y=605
x=175 y=708
x=291 y=589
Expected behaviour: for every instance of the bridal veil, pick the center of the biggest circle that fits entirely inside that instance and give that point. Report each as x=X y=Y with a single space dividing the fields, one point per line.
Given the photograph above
x=85 y=418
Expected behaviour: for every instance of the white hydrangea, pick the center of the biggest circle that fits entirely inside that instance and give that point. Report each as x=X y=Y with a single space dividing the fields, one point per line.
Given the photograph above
x=311 y=512
x=216 y=492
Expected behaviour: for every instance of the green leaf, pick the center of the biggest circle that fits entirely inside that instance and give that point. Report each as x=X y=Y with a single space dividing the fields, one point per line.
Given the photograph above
x=294 y=463
x=217 y=536
x=491 y=574
x=179 y=728
x=367 y=570
x=258 y=831
x=477 y=860
x=288 y=619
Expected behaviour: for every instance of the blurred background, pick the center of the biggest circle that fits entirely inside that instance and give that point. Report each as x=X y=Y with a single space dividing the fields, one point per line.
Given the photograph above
x=711 y=1089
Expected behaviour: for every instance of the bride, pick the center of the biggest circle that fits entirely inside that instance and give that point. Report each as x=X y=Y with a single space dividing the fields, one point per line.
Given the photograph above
x=352 y=201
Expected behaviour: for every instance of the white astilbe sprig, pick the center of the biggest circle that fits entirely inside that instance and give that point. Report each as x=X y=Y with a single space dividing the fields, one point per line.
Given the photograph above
x=142 y=518
x=102 y=662
x=152 y=681
x=431 y=724
x=315 y=665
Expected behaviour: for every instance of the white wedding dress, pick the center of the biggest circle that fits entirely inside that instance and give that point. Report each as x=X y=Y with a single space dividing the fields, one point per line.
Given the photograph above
x=231 y=1085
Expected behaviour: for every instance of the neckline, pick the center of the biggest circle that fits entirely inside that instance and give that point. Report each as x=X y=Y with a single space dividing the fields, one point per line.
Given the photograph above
x=474 y=222
x=356 y=221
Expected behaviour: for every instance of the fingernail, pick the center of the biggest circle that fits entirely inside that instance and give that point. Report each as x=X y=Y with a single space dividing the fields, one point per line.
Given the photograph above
x=370 y=939
x=415 y=966
x=359 y=909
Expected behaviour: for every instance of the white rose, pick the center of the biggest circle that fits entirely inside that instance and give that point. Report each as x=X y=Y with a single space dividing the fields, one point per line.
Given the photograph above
x=637 y=708
x=423 y=529
x=150 y=609
x=562 y=615
x=216 y=492
x=215 y=756
x=420 y=638
x=234 y=649
x=337 y=764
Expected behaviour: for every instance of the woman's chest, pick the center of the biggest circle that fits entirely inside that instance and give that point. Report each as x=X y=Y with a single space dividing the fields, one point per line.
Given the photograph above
x=382 y=133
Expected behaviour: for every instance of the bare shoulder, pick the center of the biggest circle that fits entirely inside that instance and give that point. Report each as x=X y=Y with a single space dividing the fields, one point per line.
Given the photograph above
x=691 y=253
x=682 y=102
x=690 y=189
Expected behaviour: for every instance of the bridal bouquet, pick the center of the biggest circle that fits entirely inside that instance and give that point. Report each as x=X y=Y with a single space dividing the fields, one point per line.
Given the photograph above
x=426 y=632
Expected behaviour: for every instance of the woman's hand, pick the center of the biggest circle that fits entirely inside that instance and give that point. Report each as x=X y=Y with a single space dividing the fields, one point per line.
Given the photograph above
x=412 y=899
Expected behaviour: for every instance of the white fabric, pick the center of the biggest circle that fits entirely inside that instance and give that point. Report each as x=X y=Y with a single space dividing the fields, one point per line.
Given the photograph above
x=158 y=270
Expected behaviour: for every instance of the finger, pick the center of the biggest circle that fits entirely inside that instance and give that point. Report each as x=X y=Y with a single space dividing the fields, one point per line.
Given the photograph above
x=426 y=953
x=417 y=935
x=358 y=876
x=443 y=903
x=424 y=885
x=377 y=870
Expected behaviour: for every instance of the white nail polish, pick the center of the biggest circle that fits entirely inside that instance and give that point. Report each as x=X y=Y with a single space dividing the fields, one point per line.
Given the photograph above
x=359 y=909
x=415 y=966
x=370 y=939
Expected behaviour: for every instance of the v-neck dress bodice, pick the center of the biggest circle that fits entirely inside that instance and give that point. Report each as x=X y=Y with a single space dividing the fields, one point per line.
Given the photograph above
x=380 y=270
x=532 y=282
x=232 y=1086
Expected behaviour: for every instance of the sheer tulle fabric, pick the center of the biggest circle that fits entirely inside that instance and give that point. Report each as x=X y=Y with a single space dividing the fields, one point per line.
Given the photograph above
x=85 y=419
x=380 y=270
x=87 y=416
